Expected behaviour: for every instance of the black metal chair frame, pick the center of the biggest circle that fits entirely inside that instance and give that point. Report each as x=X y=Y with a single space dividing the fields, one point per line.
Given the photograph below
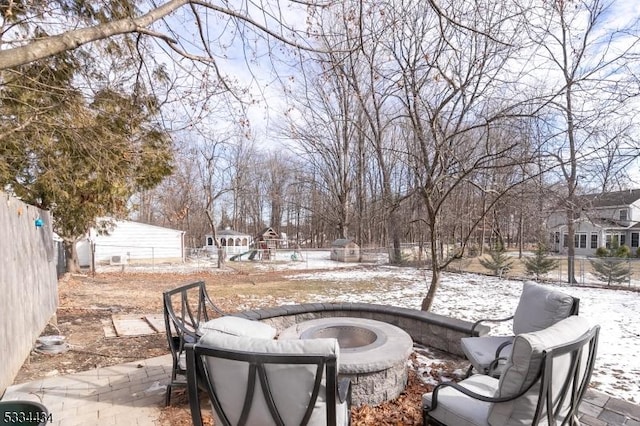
x=198 y=377
x=572 y=386
x=182 y=326
x=575 y=308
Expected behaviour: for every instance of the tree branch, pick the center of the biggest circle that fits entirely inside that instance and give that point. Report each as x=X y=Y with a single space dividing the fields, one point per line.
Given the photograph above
x=70 y=40
x=50 y=46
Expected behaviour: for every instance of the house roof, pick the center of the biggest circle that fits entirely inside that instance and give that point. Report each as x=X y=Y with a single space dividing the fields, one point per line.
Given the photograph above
x=342 y=242
x=110 y=222
x=608 y=223
x=230 y=232
x=609 y=199
x=268 y=234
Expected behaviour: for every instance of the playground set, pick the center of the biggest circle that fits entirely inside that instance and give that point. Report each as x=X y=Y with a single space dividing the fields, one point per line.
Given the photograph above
x=264 y=247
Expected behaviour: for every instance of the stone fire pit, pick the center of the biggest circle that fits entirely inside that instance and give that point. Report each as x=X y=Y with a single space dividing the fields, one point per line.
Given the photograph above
x=373 y=354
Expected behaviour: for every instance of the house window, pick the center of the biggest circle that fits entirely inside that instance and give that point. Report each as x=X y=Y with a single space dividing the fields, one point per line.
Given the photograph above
x=565 y=240
x=580 y=240
x=594 y=241
x=623 y=214
x=209 y=241
x=635 y=238
x=618 y=239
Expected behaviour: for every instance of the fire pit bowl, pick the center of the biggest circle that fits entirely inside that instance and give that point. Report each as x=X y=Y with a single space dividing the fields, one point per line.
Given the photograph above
x=350 y=337
x=372 y=353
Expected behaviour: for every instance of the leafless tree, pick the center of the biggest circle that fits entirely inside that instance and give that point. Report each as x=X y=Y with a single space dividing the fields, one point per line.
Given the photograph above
x=215 y=181
x=321 y=120
x=589 y=67
x=458 y=95
x=365 y=70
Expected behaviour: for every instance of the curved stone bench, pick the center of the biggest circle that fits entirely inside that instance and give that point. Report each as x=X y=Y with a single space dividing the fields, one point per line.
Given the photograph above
x=426 y=328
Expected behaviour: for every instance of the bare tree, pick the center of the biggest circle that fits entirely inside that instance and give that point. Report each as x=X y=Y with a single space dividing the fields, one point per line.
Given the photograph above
x=322 y=122
x=365 y=70
x=213 y=170
x=453 y=81
x=589 y=68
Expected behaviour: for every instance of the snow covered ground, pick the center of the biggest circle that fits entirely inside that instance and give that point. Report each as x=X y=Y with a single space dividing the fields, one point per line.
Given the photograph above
x=471 y=297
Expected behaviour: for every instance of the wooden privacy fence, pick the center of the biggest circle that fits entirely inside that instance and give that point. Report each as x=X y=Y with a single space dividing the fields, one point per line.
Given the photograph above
x=28 y=279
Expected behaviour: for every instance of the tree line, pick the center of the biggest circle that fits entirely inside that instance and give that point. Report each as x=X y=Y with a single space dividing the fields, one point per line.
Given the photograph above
x=451 y=125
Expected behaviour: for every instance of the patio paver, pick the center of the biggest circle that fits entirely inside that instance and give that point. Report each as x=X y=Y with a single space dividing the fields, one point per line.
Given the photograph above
x=133 y=394
x=124 y=394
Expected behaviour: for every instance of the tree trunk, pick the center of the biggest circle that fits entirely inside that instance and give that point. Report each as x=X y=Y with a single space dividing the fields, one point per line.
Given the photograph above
x=427 y=302
x=571 y=250
x=394 y=236
x=71 y=254
x=221 y=253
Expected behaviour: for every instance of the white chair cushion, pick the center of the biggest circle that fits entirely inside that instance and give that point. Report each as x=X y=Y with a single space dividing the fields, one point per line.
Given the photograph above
x=291 y=384
x=523 y=368
x=455 y=408
x=539 y=308
x=237 y=326
x=481 y=351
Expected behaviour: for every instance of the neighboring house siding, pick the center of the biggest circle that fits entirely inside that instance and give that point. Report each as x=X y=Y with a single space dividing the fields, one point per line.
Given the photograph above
x=634 y=212
x=604 y=218
x=135 y=242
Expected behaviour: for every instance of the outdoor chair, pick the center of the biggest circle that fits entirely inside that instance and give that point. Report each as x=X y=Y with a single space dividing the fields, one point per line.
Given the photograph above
x=544 y=381
x=188 y=314
x=538 y=308
x=185 y=308
x=253 y=381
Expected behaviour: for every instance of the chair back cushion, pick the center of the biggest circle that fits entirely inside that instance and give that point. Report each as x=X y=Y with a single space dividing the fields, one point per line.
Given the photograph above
x=237 y=326
x=539 y=308
x=524 y=365
x=291 y=384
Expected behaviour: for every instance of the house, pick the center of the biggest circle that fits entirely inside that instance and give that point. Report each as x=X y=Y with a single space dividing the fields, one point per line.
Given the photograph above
x=604 y=218
x=126 y=241
x=234 y=242
x=345 y=250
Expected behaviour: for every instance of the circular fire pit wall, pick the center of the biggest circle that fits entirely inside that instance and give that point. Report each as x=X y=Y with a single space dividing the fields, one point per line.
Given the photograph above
x=373 y=354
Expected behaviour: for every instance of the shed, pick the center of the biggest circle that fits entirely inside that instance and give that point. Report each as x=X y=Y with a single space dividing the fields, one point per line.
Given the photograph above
x=345 y=250
x=234 y=242
x=125 y=241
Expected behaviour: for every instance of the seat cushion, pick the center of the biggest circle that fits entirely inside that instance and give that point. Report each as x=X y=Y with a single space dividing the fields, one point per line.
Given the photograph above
x=237 y=326
x=523 y=367
x=481 y=351
x=455 y=408
x=291 y=384
x=540 y=307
